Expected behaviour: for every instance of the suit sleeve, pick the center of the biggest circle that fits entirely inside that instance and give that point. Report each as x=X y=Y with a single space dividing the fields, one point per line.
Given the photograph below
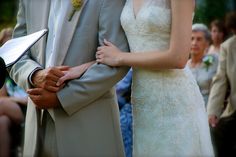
x=219 y=86
x=99 y=78
x=21 y=70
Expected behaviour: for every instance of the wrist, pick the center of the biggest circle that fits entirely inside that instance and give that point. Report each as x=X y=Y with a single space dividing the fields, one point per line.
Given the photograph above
x=30 y=78
x=120 y=59
x=34 y=77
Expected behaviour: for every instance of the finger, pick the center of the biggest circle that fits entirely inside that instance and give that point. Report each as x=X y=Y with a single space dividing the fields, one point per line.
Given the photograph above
x=34 y=91
x=35 y=98
x=99 y=60
x=54 y=73
x=53 y=76
x=107 y=43
x=62 y=80
x=52 y=88
x=62 y=86
x=97 y=56
x=211 y=120
x=99 y=53
x=99 y=48
x=100 y=56
x=58 y=73
x=51 y=83
x=64 y=68
x=213 y=125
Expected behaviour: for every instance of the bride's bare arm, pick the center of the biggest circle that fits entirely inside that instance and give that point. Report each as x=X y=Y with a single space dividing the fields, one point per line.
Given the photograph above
x=74 y=72
x=174 y=57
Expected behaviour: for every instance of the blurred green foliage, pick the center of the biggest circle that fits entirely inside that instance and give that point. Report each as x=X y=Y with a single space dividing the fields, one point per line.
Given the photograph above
x=8 y=13
x=205 y=12
x=209 y=10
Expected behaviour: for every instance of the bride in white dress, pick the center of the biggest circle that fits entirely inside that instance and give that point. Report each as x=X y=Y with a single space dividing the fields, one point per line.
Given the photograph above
x=169 y=117
x=168 y=109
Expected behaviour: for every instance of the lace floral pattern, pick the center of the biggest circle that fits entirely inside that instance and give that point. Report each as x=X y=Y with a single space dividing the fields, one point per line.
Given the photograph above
x=168 y=109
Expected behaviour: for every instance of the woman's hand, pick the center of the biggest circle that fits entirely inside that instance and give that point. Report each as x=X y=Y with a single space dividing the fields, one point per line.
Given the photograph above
x=108 y=54
x=74 y=72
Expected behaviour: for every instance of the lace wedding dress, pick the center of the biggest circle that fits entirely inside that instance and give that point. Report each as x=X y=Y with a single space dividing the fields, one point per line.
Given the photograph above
x=168 y=110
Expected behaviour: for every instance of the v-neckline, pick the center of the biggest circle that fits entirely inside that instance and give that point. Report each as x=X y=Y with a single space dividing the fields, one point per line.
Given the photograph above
x=135 y=15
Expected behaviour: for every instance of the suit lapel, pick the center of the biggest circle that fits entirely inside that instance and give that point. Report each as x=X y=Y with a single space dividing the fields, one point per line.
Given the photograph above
x=39 y=12
x=38 y=20
x=66 y=35
x=42 y=43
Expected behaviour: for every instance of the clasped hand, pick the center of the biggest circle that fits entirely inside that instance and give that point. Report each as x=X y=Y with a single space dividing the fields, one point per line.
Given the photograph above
x=49 y=81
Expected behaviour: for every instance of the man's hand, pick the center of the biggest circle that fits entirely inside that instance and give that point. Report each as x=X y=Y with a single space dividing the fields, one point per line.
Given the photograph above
x=43 y=99
x=213 y=120
x=47 y=78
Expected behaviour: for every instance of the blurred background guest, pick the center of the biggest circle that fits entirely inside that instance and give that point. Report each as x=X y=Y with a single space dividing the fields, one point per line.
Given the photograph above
x=223 y=118
x=5 y=35
x=202 y=65
x=11 y=117
x=2 y=72
x=123 y=91
x=218 y=35
x=13 y=101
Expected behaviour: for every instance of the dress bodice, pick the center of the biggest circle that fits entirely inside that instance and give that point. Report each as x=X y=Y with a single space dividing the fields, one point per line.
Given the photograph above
x=149 y=29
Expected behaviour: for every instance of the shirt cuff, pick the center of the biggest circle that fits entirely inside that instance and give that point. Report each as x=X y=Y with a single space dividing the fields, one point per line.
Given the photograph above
x=31 y=74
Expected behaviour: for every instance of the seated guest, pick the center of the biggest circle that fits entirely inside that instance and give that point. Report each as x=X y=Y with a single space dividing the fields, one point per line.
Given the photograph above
x=123 y=91
x=203 y=66
x=218 y=34
x=5 y=35
x=11 y=96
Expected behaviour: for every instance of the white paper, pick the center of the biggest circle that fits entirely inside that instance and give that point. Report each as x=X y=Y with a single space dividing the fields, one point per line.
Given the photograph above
x=13 y=49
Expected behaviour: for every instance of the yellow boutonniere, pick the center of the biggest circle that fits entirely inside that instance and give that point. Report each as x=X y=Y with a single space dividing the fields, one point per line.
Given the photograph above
x=76 y=7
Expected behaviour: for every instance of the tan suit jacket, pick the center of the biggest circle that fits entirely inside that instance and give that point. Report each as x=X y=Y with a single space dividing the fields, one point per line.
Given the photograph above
x=224 y=80
x=87 y=123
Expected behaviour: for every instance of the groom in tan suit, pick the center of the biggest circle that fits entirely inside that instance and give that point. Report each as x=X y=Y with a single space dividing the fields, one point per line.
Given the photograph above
x=223 y=119
x=82 y=118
